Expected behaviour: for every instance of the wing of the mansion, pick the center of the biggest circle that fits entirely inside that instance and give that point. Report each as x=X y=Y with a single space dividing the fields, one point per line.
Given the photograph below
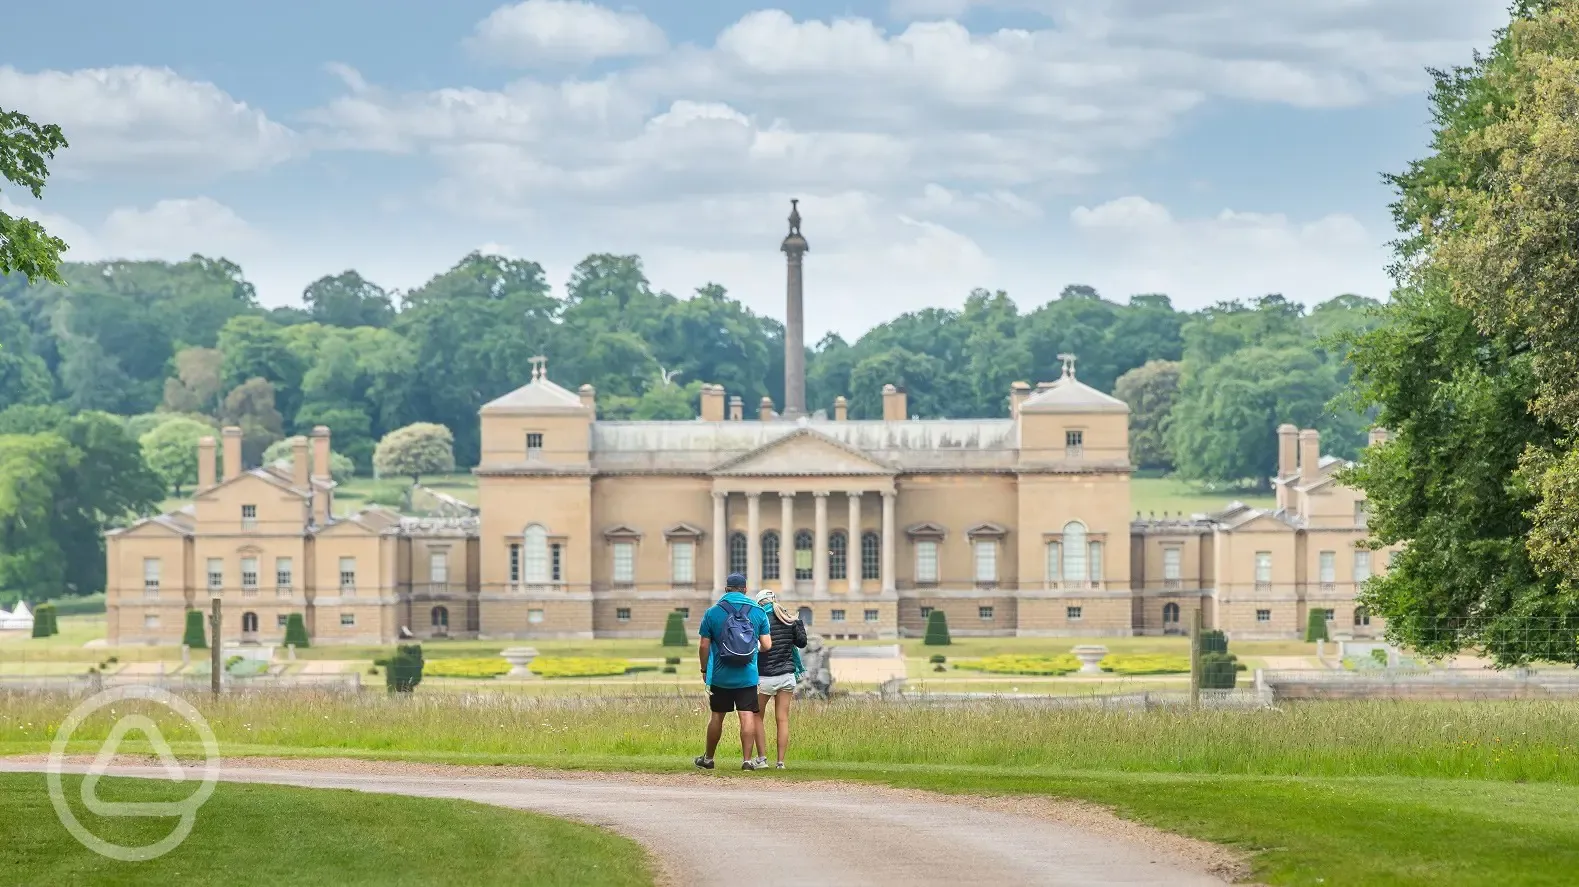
x=584 y=528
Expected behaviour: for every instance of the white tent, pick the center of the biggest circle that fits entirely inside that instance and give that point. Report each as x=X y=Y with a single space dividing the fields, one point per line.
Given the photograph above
x=19 y=619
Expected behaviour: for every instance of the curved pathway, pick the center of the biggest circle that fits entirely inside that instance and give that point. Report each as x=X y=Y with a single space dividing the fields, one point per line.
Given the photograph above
x=796 y=833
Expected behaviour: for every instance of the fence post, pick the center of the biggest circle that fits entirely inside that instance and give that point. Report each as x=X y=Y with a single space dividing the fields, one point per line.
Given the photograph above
x=215 y=650
x=1194 y=657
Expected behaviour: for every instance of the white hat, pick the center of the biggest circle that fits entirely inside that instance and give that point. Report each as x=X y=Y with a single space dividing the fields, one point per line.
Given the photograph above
x=765 y=596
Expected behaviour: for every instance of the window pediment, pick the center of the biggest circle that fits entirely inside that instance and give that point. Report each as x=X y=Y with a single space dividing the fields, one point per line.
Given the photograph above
x=987 y=530
x=622 y=533
x=683 y=531
x=926 y=530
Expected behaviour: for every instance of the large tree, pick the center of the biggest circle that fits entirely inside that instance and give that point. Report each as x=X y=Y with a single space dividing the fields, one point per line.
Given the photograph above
x=26 y=148
x=1151 y=390
x=1474 y=364
x=349 y=300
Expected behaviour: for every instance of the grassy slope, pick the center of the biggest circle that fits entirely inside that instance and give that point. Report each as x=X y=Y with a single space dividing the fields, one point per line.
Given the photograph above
x=267 y=835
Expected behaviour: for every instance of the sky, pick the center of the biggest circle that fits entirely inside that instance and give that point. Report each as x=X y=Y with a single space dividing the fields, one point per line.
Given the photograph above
x=1209 y=150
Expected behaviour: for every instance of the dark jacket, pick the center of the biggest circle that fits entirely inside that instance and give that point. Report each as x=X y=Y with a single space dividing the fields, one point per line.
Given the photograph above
x=780 y=658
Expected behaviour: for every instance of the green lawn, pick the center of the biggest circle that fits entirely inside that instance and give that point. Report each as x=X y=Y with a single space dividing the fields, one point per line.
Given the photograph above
x=268 y=835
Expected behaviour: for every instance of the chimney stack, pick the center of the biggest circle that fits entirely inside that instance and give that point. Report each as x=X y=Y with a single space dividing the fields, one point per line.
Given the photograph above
x=1018 y=392
x=232 y=438
x=205 y=462
x=765 y=409
x=1287 y=450
x=1379 y=436
x=841 y=409
x=795 y=249
x=1309 y=455
x=321 y=452
x=712 y=403
x=895 y=406
x=300 y=469
x=737 y=408
x=589 y=398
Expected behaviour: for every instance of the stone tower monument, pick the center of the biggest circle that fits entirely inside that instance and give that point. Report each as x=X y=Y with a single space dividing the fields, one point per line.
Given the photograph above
x=794 y=320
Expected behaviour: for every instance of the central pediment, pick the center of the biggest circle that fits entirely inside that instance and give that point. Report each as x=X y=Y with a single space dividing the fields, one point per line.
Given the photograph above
x=804 y=453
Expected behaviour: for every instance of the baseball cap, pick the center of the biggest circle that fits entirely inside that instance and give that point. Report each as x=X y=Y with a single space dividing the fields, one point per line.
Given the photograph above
x=736 y=581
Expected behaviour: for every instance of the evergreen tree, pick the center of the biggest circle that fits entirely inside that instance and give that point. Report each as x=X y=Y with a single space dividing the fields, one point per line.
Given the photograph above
x=195 y=636
x=403 y=672
x=674 y=631
x=937 y=630
x=296 y=631
x=1316 y=626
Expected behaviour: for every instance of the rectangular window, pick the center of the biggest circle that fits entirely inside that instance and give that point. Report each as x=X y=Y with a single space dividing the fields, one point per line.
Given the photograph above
x=836 y=615
x=216 y=574
x=151 y=568
x=1094 y=563
x=556 y=562
x=515 y=562
x=1392 y=559
x=1328 y=567
x=985 y=613
x=1074 y=444
x=1263 y=615
x=151 y=620
x=249 y=517
x=1263 y=568
x=925 y=612
x=624 y=562
x=281 y=620
x=534 y=445
x=803 y=558
x=1073 y=614
x=685 y=612
x=682 y=563
x=1360 y=518
x=284 y=575
x=347 y=620
x=534 y=616
x=1362 y=617
x=1329 y=615
x=871 y=615
x=623 y=614
x=1172 y=564
x=348 y=575
x=986 y=561
x=1362 y=566
x=439 y=568
x=871 y=556
x=927 y=562
x=1055 y=566
x=249 y=575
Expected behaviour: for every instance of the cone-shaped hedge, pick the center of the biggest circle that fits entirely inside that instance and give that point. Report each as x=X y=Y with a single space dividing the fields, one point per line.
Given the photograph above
x=195 y=636
x=674 y=631
x=1316 y=626
x=296 y=631
x=937 y=629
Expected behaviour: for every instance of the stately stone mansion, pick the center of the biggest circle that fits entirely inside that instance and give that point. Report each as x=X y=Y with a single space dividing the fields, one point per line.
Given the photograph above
x=585 y=528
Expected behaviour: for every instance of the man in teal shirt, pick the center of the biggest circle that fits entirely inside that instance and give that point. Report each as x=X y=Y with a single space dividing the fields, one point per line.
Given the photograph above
x=731 y=687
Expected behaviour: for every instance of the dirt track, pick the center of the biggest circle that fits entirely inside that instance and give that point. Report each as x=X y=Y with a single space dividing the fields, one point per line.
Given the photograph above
x=796 y=833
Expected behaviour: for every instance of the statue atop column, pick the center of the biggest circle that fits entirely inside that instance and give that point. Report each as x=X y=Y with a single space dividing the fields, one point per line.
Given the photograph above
x=795 y=249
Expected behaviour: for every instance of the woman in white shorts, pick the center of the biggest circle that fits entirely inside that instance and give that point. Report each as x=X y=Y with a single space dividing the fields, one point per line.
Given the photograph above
x=778 y=669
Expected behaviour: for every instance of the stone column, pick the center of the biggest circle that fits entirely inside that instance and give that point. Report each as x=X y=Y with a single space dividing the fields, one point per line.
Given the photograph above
x=754 y=540
x=720 y=543
x=787 y=542
x=819 y=545
x=889 y=542
x=852 y=544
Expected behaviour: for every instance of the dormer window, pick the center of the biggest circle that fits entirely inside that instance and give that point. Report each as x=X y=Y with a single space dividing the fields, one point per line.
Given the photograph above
x=534 y=445
x=1074 y=444
x=249 y=517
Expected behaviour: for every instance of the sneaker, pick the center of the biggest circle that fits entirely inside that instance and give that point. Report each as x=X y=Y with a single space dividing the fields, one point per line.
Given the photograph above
x=761 y=762
x=748 y=765
x=779 y=766
x=705 y=762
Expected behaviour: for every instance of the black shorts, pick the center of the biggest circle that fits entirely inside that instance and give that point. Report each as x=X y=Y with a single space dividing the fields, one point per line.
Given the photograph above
x=727 y=699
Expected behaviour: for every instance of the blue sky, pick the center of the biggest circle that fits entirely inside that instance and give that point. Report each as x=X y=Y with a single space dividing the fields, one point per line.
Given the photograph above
x=1224 y=151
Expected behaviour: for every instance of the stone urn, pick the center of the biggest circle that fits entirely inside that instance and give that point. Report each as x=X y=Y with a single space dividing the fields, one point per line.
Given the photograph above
x=1090 y=657
x=520 y=658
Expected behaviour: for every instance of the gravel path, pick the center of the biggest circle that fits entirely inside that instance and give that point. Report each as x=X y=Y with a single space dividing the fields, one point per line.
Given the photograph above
x=794 y=833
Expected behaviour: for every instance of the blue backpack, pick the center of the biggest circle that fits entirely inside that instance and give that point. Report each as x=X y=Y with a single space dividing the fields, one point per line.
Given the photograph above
x=737 y=643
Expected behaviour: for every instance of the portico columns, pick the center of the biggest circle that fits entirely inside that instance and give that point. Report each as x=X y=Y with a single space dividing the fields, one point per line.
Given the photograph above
x=819 y=545
x=888 y=541
x=720 y=544
x=787 y=542
x=754 y=541
x=852 y=544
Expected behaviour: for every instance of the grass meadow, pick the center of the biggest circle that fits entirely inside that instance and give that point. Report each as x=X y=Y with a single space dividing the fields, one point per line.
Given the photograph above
x=268 y=835
x=1376 y=793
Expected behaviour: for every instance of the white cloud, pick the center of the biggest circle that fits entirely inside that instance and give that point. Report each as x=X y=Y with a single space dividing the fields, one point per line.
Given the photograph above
x=1133 y=245
x=141 y=120
x=171 y=229
x=538 y=32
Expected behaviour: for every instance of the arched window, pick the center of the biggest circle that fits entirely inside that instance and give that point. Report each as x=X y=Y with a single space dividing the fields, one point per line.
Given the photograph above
x=803 y=567
x=1074 y=552
x=534 y=555
x=838 y=556
x=739 y=554
x=249 y=622
x=871 y=556
x=1362 y=616
x=441 y=618
x=1170 y=615
x=770 y=555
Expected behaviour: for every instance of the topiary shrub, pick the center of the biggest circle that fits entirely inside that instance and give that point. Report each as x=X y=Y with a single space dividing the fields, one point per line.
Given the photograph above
x=1213 y=641
x=938 y=659
x=1316 y=626
x=44 y=624
x=195 y=636
x=671 y=660
x=674 y=631
x=937 y=630
x=404 y=671
x=296 y=631
x=669 y=669
x=1219 y=671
